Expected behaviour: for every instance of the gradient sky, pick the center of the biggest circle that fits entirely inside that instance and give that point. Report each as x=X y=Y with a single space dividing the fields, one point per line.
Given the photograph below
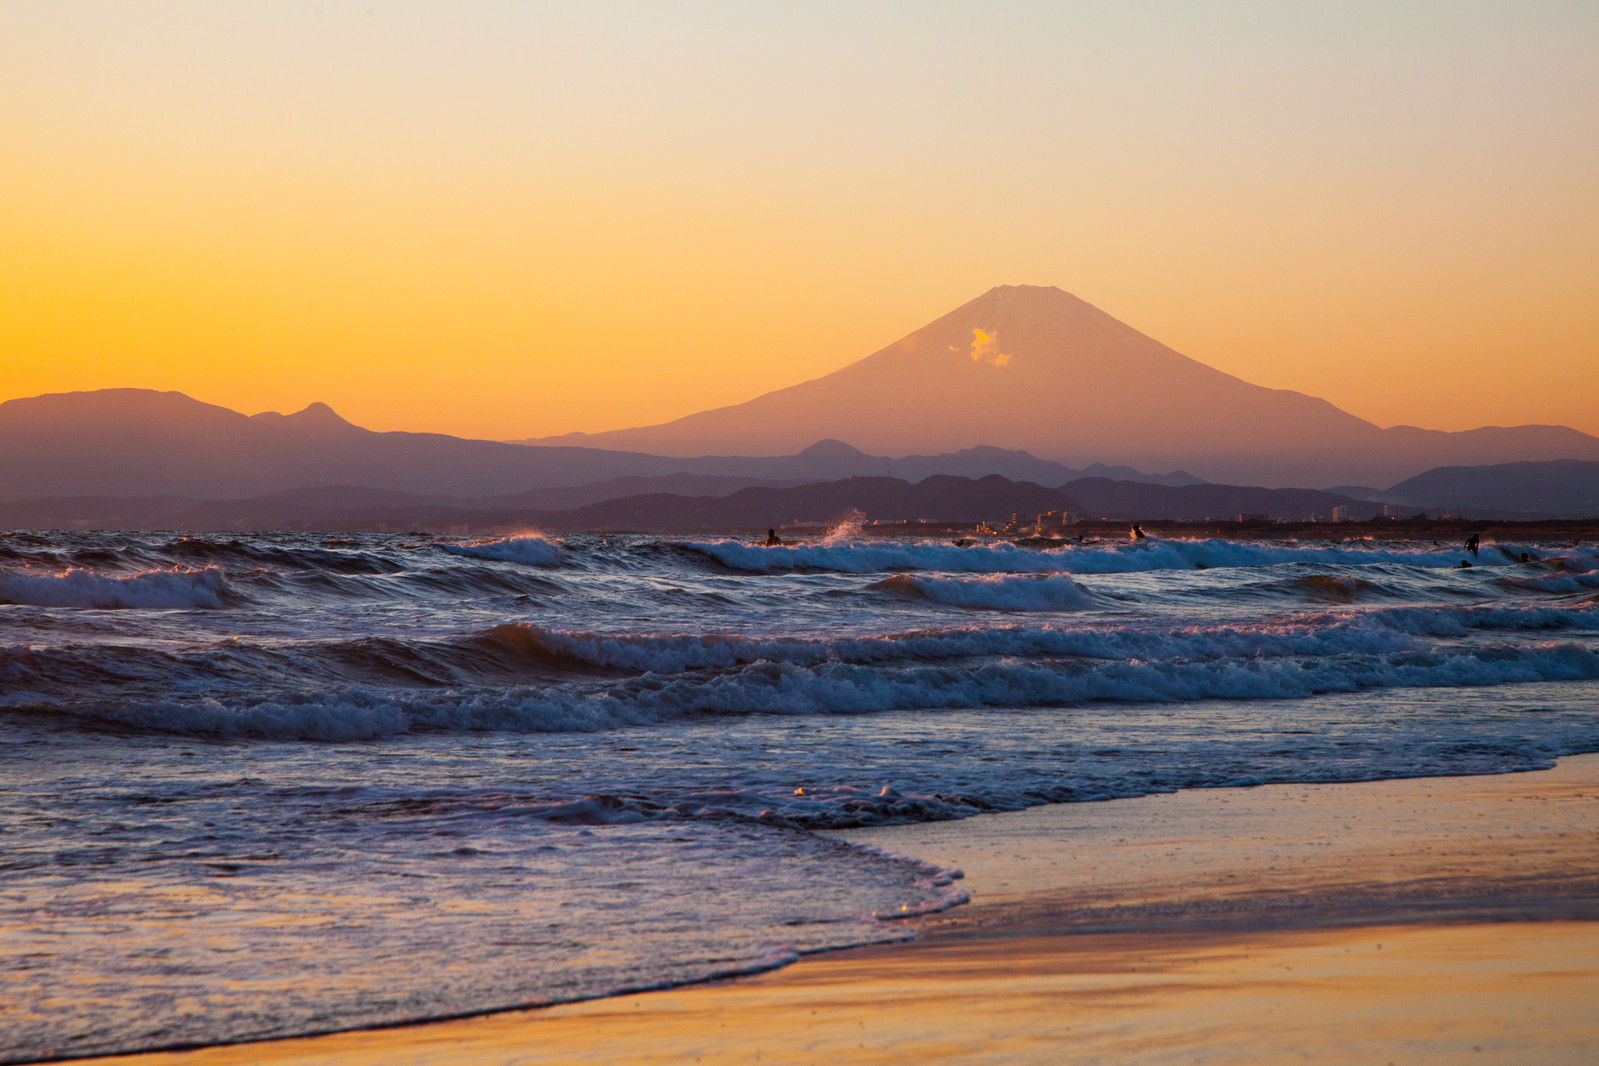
x=509 y=219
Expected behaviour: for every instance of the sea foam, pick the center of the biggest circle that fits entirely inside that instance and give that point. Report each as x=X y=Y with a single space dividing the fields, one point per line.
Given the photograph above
x=530 y=550
x=1132 y=557
x=999 y=592
x=673 y=676
x=356 y=713
x=1352 y=632
x=151 y=589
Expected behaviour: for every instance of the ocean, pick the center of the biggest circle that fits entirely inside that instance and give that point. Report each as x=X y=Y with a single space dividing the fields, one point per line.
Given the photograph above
x=271 y=784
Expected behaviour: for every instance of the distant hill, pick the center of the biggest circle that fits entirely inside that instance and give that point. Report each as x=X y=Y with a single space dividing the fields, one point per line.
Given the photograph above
x=937 y=498
x=833 y=459
x=261 y=513
x=940 y=498
x=1027 y=383
x=1036 y=369
x=97 y=448
x=138 y=442
x=1565 y=488
x=558 y=498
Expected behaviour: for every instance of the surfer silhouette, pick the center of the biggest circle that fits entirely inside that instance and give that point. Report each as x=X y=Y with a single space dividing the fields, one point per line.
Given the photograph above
x=1472 y=542
x=1138 y=532
x=1464 y=565
x=772 y=540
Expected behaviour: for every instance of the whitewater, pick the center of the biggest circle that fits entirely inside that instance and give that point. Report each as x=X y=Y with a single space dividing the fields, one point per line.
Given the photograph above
x=273 y=784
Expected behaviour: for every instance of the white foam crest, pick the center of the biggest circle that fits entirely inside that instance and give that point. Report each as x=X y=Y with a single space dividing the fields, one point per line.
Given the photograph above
x=865 y=558
x=836 y=688
x=356 y=713
x=1331 y=633
x=845 y=529
x=1457 y=621
x=1576 y=581
x=675 y=653
x=848 y=688
x=150 y=589
x=530 y=550
x=997 y=592
x=1132 y=557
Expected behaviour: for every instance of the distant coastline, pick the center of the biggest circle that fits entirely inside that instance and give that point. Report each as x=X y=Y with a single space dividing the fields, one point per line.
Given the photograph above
x=1015 y=513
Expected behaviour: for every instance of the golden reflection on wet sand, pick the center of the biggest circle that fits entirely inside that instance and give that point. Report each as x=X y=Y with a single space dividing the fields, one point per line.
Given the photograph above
x=1289 y=923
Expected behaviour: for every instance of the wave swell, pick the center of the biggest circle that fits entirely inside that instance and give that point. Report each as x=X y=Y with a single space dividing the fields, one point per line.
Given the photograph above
x=668 y=677
x=529 y=550
x=153 y=589
x=1000 y=592
x=1134 y=557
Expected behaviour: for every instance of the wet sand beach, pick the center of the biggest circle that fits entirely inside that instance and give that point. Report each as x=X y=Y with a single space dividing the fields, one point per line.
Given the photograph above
x=1422 y=920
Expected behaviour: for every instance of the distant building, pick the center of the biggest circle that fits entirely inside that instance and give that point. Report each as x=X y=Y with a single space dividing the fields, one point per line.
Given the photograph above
x=1341 y=513
x=1058 y=520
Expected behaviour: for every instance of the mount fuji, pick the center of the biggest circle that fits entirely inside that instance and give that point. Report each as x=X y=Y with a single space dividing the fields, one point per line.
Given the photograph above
x=1036 y=369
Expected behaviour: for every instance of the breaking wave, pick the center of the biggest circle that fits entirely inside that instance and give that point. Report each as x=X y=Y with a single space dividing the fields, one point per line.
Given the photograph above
x=1132 y=557
x=783 y=688
x=531 y=550
x=154 y=589
x=1329 y=588
x=341 y=559
x=525 y=678
x=1000 y=592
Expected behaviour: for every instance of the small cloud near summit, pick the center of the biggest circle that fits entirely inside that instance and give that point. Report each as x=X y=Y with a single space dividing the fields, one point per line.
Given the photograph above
x=985 y=349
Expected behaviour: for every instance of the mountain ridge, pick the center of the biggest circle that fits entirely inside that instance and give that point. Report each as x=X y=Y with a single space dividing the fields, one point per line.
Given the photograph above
x=140 y=442
x=1036 y=369
x=1028 y=382
x=1564 y=485
x=1561 y=490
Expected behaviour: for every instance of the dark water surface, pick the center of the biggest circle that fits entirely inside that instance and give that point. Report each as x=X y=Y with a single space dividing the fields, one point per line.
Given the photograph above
x=282 y=784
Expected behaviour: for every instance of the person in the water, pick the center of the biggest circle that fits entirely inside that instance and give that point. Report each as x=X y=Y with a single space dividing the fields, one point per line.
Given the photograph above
x=1464 y=565
x=772 y=540
x=1472 y=543
x=1138 y=532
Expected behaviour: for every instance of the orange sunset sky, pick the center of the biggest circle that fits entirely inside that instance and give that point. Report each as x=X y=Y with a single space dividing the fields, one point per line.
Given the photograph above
x=516 y=219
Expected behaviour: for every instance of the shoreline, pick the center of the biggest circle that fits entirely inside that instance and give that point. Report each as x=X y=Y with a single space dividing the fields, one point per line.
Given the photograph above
x=1286 y=853
x=1141 y=921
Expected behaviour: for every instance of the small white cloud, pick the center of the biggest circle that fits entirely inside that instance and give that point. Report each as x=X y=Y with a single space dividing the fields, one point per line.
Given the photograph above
x=985 y=349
